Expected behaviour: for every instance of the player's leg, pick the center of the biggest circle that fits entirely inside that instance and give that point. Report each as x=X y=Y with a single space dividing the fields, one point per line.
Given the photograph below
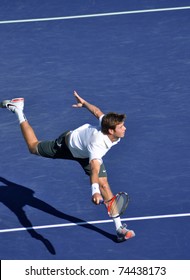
x=16 y=106
x=49 y=149
x=121 y=229
x=29 y=136
x=105 y=189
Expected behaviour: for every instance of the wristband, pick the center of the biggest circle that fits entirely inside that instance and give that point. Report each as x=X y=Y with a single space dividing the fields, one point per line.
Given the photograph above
x=95 y=188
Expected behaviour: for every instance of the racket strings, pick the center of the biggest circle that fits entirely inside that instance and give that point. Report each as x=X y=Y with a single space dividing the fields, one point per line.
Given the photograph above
x=117 y=205
x=112 y=207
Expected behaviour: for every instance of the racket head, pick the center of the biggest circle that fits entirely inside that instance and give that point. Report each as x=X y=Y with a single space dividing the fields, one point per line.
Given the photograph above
x=117 y=205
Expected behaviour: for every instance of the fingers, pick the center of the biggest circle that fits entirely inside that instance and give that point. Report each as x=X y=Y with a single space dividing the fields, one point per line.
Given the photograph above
x=78 y=105
x=80 y=101
x=75 y=94
x=95 y=201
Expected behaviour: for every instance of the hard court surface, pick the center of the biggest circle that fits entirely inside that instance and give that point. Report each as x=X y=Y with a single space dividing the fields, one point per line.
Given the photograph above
x=124 y=56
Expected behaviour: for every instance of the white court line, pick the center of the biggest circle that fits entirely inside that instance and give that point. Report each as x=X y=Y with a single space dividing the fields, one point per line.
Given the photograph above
x=95 y=15
x=97 y=222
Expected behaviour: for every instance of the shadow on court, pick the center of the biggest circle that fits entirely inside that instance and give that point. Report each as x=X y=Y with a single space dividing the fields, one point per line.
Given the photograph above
x=15 y=197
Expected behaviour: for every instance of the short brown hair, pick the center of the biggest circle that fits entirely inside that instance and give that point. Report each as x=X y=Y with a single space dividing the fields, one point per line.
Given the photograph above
x=110 y=120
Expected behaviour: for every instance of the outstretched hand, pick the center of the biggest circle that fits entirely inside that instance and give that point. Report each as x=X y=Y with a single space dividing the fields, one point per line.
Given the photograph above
x=83 y=103
x=80 y=101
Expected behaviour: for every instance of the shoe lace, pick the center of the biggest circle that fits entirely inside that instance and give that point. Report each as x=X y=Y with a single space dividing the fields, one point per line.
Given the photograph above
x=124 y=226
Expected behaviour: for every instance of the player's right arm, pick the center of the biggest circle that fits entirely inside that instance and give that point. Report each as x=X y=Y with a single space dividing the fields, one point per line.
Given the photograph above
x=95 y=168
x=83 y=103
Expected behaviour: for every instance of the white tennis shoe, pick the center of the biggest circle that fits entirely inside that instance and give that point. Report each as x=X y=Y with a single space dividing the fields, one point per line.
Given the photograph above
x=14 y=104
x=124 y=234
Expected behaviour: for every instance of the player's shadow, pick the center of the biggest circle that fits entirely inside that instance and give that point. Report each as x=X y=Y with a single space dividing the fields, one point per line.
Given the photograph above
x=15 y=197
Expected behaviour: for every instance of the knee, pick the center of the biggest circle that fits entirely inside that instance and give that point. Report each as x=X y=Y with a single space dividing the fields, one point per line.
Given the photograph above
x=104 y=185
x=103 y=182
x=33 y=149
x=105 y=189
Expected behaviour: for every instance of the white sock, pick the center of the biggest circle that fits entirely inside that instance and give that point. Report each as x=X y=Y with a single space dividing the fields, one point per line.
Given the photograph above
x=117 y=222
x=20 y=115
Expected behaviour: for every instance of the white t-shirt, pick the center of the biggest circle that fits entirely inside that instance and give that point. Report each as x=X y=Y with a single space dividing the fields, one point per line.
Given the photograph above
x=88 y=141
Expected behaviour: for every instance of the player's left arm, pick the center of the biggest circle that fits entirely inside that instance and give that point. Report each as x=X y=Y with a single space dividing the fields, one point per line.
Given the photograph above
x=83 y=103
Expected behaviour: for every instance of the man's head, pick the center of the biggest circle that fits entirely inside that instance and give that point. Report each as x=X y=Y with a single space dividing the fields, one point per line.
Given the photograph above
x=113 y=125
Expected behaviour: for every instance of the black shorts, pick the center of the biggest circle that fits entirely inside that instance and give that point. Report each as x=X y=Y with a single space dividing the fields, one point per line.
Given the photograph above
x=57 y=149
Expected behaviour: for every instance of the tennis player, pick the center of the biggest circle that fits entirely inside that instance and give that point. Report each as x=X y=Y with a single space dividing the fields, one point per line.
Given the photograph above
x=87 y=145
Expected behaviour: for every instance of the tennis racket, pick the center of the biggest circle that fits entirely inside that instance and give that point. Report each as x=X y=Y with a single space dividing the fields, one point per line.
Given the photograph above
x=117 y=205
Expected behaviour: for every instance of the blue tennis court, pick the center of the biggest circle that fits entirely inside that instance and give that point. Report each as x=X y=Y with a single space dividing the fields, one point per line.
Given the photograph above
x=126 y=56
